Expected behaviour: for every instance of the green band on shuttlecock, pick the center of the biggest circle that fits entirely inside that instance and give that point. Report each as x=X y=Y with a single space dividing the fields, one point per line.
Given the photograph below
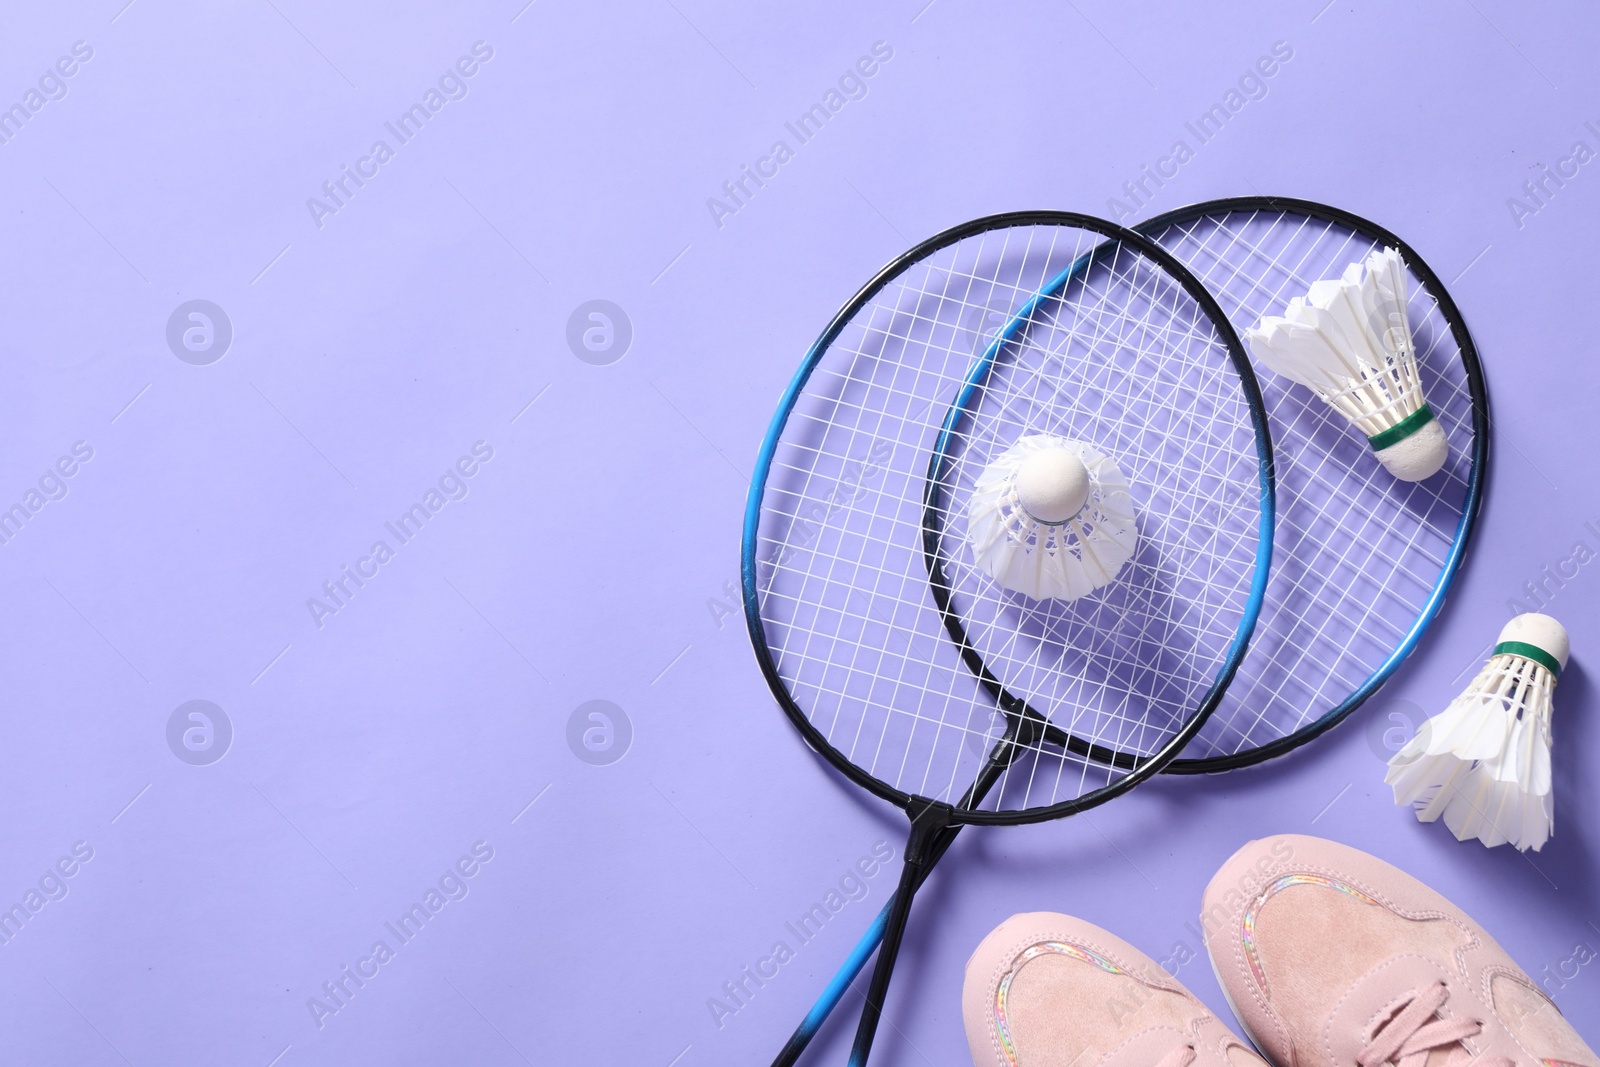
x=1402 y=429
x=1527 y=651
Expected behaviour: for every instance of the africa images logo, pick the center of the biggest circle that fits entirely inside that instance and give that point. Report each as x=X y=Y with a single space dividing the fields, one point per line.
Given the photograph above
x=852 y=84
x=338 y=191
x=451 y=887
x=52 y=485
x=453 y=486
x=199 y=732
x=52 y=85
x=199 y=332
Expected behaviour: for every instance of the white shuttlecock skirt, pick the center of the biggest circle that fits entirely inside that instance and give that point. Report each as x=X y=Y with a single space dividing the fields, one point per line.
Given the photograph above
x=1065 y=560
x=1483 y=764
x=1349 y=341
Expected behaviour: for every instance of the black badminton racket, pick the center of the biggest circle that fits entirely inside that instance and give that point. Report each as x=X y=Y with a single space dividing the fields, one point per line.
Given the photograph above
x=885 y=474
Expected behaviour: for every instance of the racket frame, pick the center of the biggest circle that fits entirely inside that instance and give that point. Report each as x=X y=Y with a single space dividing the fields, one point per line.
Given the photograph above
x=1140 y=768
x=1470 y=505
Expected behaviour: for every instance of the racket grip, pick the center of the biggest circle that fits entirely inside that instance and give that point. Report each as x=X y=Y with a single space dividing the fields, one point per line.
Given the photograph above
x=853 y=965
x=928 y=827
x=835 y=991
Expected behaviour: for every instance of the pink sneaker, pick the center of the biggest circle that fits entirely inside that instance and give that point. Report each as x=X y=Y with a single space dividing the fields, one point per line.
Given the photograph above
x=1048 y=990
x=1332 y=958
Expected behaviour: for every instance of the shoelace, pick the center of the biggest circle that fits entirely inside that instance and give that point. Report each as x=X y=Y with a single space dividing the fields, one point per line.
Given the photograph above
x=1181 y=1056
x=1406 y=1039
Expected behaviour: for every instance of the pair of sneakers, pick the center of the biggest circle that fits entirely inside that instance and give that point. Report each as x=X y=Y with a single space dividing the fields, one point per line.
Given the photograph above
x=1328 y=956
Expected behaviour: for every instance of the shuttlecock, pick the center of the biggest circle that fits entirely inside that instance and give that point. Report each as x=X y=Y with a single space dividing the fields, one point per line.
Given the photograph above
x=1484 y=762
x=1349 y=341
x=1052 y=518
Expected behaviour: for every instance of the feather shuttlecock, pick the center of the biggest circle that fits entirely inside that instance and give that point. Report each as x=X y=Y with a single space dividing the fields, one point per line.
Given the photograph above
x=1051 y=517
x=1349 y=341
x=1484 y=762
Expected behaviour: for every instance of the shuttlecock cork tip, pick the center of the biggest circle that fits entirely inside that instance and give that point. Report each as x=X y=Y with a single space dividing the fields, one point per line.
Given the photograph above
x=1538 y=632
x=1418 y=453
x=1052 y=485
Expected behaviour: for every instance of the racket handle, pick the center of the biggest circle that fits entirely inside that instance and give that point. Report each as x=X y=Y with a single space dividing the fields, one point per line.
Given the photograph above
x=834 y=993
x=926 y=829
x=851 y=968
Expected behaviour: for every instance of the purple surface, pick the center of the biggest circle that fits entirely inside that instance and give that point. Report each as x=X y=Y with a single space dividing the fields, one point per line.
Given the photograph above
x=592 y=556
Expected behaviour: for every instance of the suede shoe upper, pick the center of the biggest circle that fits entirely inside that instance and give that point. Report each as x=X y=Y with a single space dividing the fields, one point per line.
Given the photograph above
x=1048 y=990
x=1333 y=958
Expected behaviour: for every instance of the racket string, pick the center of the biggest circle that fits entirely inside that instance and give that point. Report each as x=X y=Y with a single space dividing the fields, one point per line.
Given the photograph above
x=1358 y=552
x=839 y=573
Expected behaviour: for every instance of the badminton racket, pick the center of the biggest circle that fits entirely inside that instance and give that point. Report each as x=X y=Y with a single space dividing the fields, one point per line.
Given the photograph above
x=868 y=484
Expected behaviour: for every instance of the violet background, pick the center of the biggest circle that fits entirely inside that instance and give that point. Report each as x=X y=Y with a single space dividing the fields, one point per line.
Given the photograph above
x=594 y=555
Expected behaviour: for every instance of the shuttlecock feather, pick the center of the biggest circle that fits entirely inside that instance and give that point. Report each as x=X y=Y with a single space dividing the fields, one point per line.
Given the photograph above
x=1484 y=762
x=1349 y=341
x=1053 y=518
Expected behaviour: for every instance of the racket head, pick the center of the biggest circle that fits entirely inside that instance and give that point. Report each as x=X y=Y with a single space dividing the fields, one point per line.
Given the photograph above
x=836 y=585
x=1362 y=561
